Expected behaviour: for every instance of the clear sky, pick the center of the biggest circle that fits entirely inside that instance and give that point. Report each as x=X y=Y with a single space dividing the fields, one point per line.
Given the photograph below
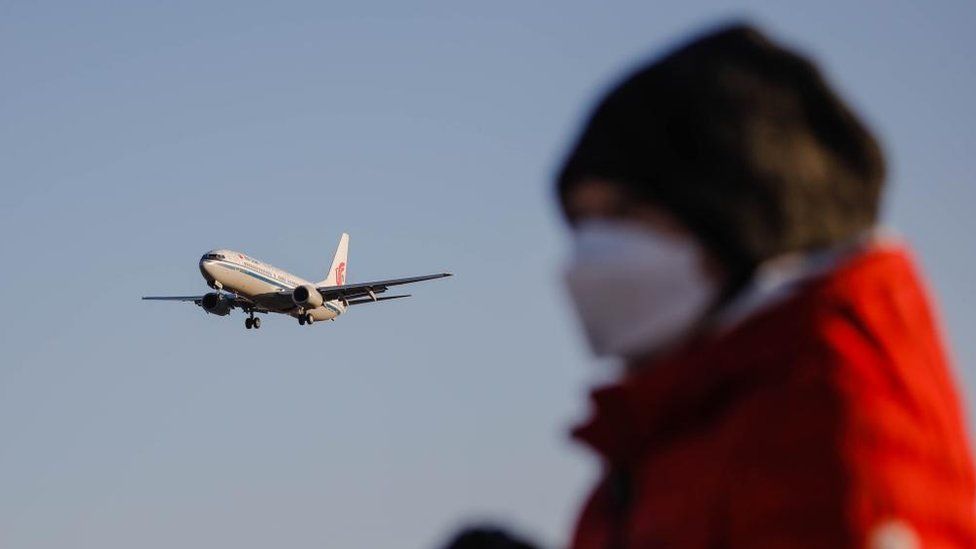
x=134 y=136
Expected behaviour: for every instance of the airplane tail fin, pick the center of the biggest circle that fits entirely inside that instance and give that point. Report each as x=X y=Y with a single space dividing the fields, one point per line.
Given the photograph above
x=337 y=272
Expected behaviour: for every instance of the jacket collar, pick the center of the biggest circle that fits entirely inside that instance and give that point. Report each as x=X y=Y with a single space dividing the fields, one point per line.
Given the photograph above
x=780 y=277
x=660 y=399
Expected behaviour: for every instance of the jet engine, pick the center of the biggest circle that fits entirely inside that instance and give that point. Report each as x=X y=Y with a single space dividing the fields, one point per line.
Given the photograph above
x=307 y=297
x=216 y=304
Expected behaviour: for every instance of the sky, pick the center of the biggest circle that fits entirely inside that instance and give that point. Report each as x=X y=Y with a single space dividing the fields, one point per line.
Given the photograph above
x=134 y=136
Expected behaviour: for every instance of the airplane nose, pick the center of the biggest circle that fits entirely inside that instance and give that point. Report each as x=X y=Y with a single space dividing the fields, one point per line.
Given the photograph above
x=206 y=268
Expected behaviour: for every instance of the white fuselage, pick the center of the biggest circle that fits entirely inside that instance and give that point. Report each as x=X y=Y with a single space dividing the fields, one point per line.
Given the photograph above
x=261 y=283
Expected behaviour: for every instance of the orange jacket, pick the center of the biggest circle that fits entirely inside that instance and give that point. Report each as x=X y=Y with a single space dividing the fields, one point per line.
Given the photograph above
x=828 y=420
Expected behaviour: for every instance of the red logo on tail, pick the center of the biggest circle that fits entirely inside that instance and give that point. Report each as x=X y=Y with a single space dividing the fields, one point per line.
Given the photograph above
x=340 y=274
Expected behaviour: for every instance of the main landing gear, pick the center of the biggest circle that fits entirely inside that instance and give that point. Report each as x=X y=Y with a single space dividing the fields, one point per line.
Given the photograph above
x=252 y=322
x=305 y=319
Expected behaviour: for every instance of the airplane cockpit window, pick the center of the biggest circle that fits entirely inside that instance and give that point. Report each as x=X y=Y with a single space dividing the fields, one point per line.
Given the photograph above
x=213 y=256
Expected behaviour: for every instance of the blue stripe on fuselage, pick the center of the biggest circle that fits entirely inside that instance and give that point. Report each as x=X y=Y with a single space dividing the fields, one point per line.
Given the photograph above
x=250 y=272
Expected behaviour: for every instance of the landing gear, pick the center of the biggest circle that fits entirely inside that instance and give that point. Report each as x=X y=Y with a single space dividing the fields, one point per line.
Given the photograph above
x=301 y=320
x=305 y=318
x=251 y=321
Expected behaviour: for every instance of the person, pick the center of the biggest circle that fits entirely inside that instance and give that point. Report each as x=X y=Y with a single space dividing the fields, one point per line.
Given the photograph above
x=784 y=381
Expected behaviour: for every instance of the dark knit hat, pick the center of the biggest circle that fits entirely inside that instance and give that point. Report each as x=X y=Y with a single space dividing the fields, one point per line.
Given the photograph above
x=743 y=141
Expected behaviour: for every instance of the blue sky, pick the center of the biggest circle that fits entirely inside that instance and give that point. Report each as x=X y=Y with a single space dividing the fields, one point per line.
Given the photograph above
x=135 y=136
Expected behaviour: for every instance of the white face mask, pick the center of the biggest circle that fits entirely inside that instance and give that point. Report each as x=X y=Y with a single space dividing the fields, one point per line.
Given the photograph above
x=636 y=290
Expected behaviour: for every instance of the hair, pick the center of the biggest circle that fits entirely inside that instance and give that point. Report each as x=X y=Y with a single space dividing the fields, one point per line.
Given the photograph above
x=743 y=141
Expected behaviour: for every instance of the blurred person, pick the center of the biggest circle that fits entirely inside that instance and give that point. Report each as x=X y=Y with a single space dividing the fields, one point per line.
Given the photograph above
x=785 y=383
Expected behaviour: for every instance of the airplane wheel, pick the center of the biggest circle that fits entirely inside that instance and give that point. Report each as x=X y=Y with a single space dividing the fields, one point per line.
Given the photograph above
x=309 y=320
x=248 y=323
x=256 y=323
x=301 y=320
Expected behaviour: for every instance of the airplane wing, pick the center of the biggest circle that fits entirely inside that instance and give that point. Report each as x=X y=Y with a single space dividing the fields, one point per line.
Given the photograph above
x=349 y=292
x=235 y=300
x=364 y=300
x=279 y=301
x=194 y=298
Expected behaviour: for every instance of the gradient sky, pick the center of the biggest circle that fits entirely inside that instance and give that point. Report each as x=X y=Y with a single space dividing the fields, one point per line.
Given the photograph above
x=136 y=136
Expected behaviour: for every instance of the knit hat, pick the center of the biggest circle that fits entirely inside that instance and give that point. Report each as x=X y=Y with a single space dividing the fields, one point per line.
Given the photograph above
x=743 y=141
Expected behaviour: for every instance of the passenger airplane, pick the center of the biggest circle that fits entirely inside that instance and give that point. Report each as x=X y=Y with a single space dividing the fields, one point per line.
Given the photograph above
x=256 y=287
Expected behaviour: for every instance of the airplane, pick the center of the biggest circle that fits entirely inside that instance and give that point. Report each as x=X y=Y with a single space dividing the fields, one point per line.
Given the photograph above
x=242 y=282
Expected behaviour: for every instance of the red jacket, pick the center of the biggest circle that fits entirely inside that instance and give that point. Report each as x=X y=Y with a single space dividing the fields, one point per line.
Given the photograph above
x=828 y=420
